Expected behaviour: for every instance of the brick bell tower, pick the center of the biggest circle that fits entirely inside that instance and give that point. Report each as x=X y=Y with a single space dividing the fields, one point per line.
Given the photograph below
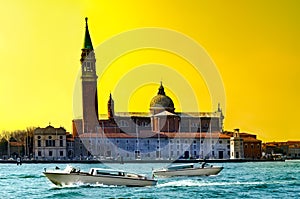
x=89 y=85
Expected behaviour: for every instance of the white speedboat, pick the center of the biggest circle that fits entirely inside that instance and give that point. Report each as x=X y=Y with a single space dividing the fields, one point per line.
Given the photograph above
x=190 y=169
x=71 y=175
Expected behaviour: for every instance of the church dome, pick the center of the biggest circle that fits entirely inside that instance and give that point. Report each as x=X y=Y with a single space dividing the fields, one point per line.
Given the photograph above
x=161 y=101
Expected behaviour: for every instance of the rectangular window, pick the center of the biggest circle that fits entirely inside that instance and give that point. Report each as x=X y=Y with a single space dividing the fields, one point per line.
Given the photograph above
x=39 y=153
x=50 y=153
x=61 y=153
x=61 y=143
x=50 y=143
x=157 y=154
x=39 y=143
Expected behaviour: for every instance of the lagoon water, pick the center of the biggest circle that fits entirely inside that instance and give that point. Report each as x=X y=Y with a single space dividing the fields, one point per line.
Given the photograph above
x=237 y=180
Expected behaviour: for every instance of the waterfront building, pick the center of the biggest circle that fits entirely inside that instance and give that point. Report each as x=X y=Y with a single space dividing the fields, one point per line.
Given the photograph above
x=161 y=133
x=288 y=149
x=252 y=147
x=236 y=146
x=50 y=143
x=70 y=146
x=16 y=149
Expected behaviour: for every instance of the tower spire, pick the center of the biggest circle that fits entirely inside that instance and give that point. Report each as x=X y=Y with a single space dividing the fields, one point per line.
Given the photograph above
x=111 y=107
x=87 y=38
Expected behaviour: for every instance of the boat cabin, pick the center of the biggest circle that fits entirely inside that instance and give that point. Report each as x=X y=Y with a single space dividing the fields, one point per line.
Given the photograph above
x=99 y=171
x=188 y=166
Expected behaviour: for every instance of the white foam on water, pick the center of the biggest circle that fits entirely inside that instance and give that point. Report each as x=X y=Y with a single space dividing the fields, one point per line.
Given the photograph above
x=81 y=184
x=195 y=183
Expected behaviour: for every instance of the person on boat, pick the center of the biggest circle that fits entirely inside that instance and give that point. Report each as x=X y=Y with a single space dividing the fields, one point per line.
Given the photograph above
x=203 y=164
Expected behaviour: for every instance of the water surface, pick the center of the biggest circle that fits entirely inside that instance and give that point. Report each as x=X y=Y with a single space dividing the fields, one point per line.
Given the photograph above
x=237 y=180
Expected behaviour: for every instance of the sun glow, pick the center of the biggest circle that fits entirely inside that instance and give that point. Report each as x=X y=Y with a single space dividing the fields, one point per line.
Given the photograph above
x=255 y=46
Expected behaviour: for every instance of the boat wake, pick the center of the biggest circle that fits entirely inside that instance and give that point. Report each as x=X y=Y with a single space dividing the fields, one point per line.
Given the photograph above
x=31 y=176
x=15 y=176
x=195 y=183
x=81 y=185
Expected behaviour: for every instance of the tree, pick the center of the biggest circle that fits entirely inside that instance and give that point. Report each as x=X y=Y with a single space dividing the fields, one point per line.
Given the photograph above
x=7 y=135
x=29 y=140
x=23 y=136
x=20 y=137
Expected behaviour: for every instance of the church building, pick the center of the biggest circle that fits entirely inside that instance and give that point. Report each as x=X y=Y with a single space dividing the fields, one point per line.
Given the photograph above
x=162 y=133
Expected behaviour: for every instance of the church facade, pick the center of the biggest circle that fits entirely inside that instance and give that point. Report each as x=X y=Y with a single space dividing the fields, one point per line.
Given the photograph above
x=162 y=133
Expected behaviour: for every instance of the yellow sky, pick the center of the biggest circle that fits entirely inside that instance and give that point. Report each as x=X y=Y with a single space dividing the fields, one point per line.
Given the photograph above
x=255 y=46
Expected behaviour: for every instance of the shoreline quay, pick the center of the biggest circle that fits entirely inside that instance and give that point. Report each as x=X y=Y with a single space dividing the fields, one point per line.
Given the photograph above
x=136 y=161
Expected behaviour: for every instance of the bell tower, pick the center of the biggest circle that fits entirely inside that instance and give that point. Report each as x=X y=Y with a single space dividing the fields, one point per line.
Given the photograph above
x=110 y=108
x=89 y=84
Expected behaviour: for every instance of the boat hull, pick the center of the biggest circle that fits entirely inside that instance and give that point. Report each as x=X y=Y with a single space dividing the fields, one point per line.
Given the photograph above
x=188 y=172
x=61 y=179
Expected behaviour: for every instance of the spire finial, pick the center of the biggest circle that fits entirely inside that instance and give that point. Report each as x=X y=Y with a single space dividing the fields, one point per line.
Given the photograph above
x=161 y=90
x=87 y=38
x=219 y=107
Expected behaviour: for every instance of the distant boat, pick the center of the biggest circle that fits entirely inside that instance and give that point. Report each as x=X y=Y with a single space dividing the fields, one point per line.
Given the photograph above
x=71 y=175
x=190 y=169
x=292 y=160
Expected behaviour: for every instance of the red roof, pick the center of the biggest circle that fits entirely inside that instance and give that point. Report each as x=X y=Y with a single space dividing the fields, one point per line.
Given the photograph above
x=17 y=144
x=250 y=139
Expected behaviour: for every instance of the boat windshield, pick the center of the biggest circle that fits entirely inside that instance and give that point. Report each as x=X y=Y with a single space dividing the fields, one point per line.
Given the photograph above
x=110 y=172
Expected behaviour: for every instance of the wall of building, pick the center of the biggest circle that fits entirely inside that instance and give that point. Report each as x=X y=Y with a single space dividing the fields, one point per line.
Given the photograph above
x=154 y=148
x=252 y=150
x=50 y=143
